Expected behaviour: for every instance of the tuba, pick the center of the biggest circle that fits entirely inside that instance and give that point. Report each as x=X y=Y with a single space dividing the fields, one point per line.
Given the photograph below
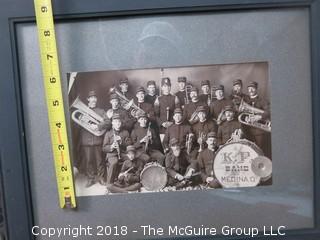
x=86 y=117
x=247 y=117
x=127 y=105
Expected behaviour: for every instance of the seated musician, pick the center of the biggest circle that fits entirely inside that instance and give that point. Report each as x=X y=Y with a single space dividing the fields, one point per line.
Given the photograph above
x=114 y=145
x=203 y=126
x=179 y=165
x=229 y=127
x=129 y=176
x=205 y=161
x=180 y=130
x=146 y=140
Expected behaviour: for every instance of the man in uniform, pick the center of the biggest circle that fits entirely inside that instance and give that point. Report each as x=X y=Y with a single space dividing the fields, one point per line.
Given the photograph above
x=237 y=95
x=151 y=92
x=128 y=122
x=114 y=145
x=189 y=111
x=129 y=177
x=179 y=165
x=205 y=96
x=143 y=105
x=181 y=94
x=219 y=104
x=146 y=141
x=260 y=137
x=165 y=105
x=229 y=127
x=91 y=146
x=180 y=131
x=205 y=161
x=203 y=127
x=124 y=89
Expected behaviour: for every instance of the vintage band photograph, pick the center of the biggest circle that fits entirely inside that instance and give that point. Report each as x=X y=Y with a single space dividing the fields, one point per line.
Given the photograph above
x=172 y=128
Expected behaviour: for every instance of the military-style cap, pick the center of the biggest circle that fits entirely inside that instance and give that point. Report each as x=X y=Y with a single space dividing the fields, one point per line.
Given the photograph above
x=113 y=96
x=141 y=114
x=228 y=108
x=131 y=148
x=201 y=109
x=253 y=84
x=165 y=81
x=182 y=79
x=219 y=87
x=151 y=82
x=211 y=135
x=194 y=89
x=116 y=116
x=124 y=80
x=205 y=82
x=140 y=89
x=237 y=82
x=173 y=142
x=177 y=110
x=92 y=93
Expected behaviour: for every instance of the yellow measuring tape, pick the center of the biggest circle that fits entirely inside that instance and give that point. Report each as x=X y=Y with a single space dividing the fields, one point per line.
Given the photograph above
x=52 y=84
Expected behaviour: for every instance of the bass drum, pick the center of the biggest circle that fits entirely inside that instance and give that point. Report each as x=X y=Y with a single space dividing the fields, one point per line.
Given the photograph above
x=232 y=164
x=153 y=177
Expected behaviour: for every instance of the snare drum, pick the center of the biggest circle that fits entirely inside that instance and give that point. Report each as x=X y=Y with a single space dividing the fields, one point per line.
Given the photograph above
x=153 y=177
x=232 y=164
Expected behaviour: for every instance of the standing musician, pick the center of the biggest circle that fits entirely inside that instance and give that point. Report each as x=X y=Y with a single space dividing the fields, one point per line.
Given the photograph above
x=203 y=126
x=257 y=135
x=114 y=145
x=142 y=104
x=205 y=161
x=165 y=105
x=205 y=96
x=181 y=94
x=117 y=109
x=179 y=165
x=129 y=177
x=151 y=92
x=227 y=128
x=237 y=95
x=146 y=141
x=180 y=131
x=91 y=147
x=219 y=104
x=124 y=89
x=189 y=111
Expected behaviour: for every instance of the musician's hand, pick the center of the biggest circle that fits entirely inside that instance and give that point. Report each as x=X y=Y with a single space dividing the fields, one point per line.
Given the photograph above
x=94 y=127
x=114 y=145
x=167 y=124
x=200 y=140
x=179 y=177
x=121 y=176
x=189 y=173
x=209 y=179
x=144 y=139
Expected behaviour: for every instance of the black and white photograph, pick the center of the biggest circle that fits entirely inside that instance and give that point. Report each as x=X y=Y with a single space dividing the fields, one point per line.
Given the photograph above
x=178 y=128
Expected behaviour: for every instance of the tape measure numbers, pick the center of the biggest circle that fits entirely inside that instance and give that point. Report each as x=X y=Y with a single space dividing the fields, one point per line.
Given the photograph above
x=52 y=84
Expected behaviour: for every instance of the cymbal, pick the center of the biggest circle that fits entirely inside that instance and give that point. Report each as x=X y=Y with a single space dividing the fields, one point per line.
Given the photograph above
x=261 y=166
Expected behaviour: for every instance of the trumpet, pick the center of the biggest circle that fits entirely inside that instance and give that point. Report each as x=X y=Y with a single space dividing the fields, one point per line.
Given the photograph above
x=149 y=139
x=127 y=104
x=189 y=142
x=86 y=117
x=249 y=116
x=202 y=137
x=117 y=142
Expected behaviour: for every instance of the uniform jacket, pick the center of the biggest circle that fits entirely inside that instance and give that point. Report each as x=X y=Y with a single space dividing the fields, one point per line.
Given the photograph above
x=148 y=109
x=161 y=105
x=218 y=105
x=226 y=129
x=109 y=139
x=139 y=132
x=204 y=98
x=204 y=127
x=182 y=98
x=127 y=121
x=205 y=161
x=178 y=131
x=150 y=99
x=175 y=164
x=133 y=176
